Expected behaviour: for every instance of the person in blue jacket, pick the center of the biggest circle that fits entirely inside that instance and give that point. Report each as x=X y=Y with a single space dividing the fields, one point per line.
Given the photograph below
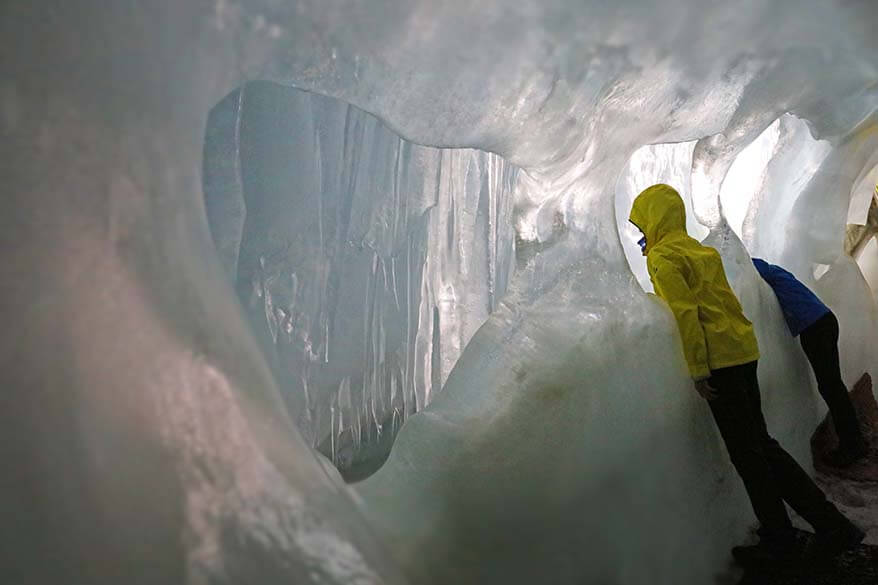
x=817 y=328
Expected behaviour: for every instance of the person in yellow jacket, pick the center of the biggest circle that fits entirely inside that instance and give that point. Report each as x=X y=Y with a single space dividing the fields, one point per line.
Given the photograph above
x=721 y=351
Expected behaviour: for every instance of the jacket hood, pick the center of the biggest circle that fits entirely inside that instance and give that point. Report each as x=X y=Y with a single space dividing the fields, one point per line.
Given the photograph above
x=658 y=211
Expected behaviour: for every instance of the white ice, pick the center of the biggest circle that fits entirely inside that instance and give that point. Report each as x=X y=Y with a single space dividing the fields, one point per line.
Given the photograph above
x=148 y=434
x=364 y=262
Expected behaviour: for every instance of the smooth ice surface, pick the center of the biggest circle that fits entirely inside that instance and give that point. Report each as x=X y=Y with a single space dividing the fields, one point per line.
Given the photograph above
x=869 y=264
x=365 y=262
x=143 y=426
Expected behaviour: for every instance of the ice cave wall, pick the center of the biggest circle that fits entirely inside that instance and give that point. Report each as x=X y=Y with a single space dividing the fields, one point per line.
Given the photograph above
x=365 y=262
x=144 y=426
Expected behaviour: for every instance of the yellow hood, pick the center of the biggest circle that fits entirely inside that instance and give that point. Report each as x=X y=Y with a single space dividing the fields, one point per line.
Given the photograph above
x=658 y=211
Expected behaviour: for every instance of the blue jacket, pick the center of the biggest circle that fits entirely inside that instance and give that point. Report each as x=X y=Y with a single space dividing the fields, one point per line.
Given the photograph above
x=801 y=307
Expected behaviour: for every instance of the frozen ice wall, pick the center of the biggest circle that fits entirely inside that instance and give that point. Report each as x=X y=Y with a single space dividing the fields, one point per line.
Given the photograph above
x=808 y=193
x=144 y=427
x=365 y=262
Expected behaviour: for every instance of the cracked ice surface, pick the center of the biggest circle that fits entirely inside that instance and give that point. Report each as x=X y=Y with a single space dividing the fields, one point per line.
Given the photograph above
x=145 y=428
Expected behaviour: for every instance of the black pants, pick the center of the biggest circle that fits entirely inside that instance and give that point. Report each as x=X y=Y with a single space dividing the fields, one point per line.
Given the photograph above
x=820 y=342
x=771 y=476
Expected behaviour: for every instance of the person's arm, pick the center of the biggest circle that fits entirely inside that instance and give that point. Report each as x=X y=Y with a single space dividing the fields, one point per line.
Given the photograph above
x=672 y=287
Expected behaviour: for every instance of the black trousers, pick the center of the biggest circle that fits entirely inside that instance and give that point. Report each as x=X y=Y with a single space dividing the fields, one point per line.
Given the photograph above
x=771 y=476
x=820 y=342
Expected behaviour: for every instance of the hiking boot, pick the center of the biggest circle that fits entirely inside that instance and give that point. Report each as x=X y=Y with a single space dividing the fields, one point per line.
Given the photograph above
x=829 y=543
x=845 y=457
x=768 y=552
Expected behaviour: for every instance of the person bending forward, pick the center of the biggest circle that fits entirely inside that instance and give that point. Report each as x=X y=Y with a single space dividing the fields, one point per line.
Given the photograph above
x=722 y=353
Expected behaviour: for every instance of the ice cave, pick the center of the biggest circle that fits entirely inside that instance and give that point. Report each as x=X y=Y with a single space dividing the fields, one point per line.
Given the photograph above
x=344 y=292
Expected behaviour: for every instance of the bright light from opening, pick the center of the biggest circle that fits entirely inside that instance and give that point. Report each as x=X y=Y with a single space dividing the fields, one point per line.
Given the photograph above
x=745 y=177
x=651 y=164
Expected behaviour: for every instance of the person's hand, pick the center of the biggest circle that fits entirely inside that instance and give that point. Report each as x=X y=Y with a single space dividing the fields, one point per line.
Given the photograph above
x=704 y=388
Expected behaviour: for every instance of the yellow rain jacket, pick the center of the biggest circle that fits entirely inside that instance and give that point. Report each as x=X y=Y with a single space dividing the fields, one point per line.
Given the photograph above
x=691 y=278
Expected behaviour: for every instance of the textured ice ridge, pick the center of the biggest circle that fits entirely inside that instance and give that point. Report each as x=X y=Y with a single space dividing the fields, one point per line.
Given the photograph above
x=365 y=262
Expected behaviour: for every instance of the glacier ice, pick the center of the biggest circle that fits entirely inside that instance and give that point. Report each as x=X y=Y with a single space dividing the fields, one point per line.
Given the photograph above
x=154 y=435
x=364 y=262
